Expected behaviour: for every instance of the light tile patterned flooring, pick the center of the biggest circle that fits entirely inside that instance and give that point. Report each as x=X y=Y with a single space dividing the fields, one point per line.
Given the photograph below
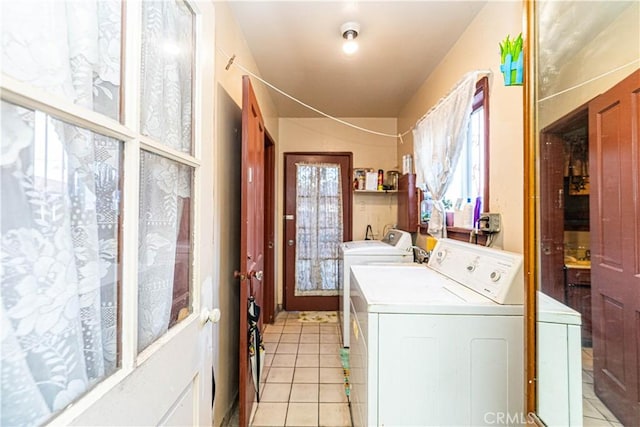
x=594 y=412
x=303 y=380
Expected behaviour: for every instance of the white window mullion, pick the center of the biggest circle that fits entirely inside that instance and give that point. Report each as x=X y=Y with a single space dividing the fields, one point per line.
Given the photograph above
x=131 y=197
x=31 y=97
x=129 y=288
x=153 y=146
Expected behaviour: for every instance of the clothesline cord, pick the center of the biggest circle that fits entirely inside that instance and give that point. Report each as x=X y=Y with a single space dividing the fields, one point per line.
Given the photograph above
x=322 y=113
x=589 y=81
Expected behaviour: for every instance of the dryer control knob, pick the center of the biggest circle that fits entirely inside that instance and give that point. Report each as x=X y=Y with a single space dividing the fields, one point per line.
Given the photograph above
x=471 y=267
x=494 y=276
x=441 y=255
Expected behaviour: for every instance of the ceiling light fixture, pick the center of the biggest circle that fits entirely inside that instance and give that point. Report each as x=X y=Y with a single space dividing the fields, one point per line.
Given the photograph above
x=349 y=32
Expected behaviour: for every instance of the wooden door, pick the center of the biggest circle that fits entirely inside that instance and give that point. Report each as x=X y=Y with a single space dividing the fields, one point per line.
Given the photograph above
x=293 y=302
x=269 y=298
x=251 y=236
x=614 y=159
x=552 y=215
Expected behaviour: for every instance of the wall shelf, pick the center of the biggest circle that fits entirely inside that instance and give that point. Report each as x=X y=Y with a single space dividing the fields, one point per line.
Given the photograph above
x=375 y=191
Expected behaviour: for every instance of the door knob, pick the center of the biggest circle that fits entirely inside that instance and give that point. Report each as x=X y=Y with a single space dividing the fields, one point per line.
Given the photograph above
x=257 y=274
x=290 y=242
x=207 y=315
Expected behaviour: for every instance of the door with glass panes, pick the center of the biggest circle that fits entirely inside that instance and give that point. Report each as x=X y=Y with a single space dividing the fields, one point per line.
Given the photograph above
x=100 y=173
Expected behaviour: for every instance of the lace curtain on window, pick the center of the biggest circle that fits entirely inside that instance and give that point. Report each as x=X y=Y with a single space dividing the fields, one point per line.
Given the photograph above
x=318 y=228
x=437 y=141
x=166 y=105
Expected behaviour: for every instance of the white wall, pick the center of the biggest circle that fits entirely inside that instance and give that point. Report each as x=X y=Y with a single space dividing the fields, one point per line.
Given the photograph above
x=226 y=189
x=378 y=152
x=477 y=49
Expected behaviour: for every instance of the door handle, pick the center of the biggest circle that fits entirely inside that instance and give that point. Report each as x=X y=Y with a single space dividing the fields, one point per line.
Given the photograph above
x=290 y=242
x=257 y=274
x=240 y=275
x=207 y=315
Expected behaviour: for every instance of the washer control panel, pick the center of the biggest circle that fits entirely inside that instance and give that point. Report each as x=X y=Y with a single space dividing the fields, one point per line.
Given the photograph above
x=398 y=238
x=496 y=274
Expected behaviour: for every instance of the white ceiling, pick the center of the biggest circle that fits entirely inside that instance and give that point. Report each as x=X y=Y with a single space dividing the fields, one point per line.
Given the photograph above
x=297 y=46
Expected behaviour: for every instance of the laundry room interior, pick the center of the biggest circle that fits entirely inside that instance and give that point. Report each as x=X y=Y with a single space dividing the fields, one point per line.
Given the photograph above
x=375 y=213
x=404 y=213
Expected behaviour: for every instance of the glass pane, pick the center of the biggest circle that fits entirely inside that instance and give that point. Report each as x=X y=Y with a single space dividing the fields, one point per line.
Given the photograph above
x=164 y=294
x=167 y=73
x=60 y=207
x=468 y=178
x=476 y=153
x=70 y=48
x=318 y=228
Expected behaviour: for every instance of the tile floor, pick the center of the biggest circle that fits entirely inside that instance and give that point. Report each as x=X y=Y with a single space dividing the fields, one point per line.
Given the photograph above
x=594 y=412
x=303 y=380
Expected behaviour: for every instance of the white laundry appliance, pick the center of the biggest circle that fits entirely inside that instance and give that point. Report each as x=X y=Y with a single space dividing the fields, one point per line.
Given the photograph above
x=440 y=344
x=559 y=368
x=395 y=247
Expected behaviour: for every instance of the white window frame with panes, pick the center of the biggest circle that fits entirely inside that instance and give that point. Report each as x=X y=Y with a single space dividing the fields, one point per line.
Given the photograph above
x=135 y=142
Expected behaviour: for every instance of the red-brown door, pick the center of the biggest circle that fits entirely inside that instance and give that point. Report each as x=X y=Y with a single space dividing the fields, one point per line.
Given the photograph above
x=251 y=236
x=268 y=297
x=292 y=221
x=614 y=157
x=552 y=215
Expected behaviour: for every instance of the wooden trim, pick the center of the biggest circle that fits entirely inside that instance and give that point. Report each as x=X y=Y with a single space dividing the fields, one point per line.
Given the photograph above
x=290 y=301
x=530 y=180
x=270 y=246
x=482 y=88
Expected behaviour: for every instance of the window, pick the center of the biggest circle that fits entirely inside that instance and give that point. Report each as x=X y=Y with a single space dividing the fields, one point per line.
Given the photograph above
x=471 y=179
x=70 y=274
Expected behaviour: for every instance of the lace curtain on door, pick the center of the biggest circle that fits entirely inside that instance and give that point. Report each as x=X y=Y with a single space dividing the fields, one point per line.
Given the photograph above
x=165 y=185
x=61 y=192
x=318 y=228
x=60 y=206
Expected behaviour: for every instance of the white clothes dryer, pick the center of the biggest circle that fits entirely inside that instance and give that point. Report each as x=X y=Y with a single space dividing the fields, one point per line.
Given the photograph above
x=440 y=344
x=395 y=247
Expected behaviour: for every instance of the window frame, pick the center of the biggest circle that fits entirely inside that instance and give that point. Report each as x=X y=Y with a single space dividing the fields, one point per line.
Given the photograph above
x=480 y=100
x=127 y=128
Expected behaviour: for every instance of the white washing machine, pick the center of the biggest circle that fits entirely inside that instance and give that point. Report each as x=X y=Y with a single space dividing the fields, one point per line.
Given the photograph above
x=440 y=344
x=395 y=247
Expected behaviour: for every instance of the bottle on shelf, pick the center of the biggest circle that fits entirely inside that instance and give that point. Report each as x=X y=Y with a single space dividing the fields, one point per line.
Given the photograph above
x=426 y=207
x=467 y=214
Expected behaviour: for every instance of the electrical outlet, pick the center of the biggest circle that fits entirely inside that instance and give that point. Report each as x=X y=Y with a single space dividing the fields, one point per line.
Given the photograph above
x=489 y=222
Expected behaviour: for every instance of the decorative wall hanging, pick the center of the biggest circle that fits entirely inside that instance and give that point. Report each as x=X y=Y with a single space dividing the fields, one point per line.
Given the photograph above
x=511 y=58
